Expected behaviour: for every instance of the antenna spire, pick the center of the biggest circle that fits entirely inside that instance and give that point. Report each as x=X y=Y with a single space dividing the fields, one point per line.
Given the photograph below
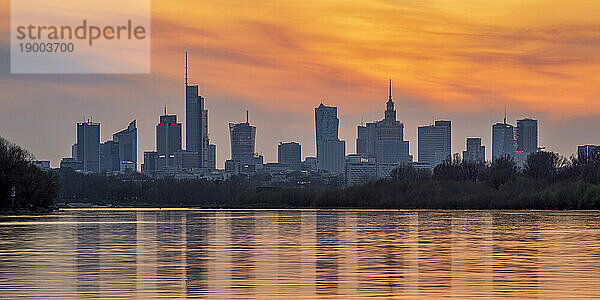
x=165 y=109
x=247 y=117
x=390 y=89
x=505 y=115
x=186 y=67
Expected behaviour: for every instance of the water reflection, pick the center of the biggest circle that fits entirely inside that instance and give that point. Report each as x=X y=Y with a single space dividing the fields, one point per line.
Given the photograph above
x=299 y=254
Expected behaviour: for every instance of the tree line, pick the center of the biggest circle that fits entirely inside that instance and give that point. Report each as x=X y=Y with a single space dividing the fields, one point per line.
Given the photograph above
x=24 y=186
x=546 y=181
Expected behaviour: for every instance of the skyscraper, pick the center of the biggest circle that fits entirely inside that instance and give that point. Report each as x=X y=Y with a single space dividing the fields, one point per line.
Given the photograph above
x=196 y=121
x=168 y=139
x=289 y=154
x=503 y=140
x=88 y=145
x=527 y=135
x=109 y=156
x=435 y=142
x=127 y=141
x=150 y=161
x=242 y=137
x=331 y=150
x=475 y=152
x=383 y=141
x=212 y=157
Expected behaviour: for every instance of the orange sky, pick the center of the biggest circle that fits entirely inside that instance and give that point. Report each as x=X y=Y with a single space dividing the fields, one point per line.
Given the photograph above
x=464 y=55
x=461 y=60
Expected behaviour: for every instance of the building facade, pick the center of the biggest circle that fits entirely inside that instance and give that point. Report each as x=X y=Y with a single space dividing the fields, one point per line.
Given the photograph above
x=383 y=141
x=127 y=140
x=289 y=154
x=212 y=157
x=168 y=140
x=359 y=169
x=196 y=121
x=435 y=142
x=186 y=160
x=527 y=135
x=242 y=137
x=109 y=157
x=503 y=140
x=475 y=152
x=88 y=145
x=330 y=149
x=587 y=152
x=150 y=161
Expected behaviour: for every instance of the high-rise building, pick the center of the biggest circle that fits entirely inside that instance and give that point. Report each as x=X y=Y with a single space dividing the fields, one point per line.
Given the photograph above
x=242 y=137
x=150 y=161
x=527 y=135
x=586 y=152
x=435 y=143
x=168 y=139
x=383 y=141
x=74 y=151
x=359 y=170
x=88 y=145
x=196 y=121
x=475 y=152
x=503 y=140
x=212 y=157
x=331 y=150
x=71 y=163
x=186 y=160
x=289 y=154
x=127 y=140
x=109 y=156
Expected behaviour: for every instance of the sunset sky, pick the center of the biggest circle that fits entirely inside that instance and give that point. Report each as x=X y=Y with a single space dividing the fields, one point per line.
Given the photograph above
x=461 y=60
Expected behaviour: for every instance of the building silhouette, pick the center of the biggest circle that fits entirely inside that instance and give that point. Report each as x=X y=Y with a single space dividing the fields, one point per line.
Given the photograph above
x=127 y=141
x=289 y=154
x=435 y=142
x=330 y=149
x=212 y=157
x=359 y=170
x=150 y=161
x=527 y=135
x=587 y=152
x=383 y=141
x=88 y=145
x=243 y=138
x=196 y=121
x=503 y=140
x=475 y=152
x=243 y=160
x=109 y=156
x=168 y=140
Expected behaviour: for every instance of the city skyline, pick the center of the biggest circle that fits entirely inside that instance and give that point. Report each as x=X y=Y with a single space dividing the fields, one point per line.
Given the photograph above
x=447 y=61
x=390 y=112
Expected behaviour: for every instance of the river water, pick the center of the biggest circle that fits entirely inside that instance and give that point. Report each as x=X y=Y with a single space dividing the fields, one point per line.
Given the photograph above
x=300 y=254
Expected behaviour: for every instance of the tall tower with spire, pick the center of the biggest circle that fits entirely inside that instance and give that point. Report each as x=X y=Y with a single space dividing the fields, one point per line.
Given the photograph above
x=383 y=141
x=390 y=112
x=196 y=121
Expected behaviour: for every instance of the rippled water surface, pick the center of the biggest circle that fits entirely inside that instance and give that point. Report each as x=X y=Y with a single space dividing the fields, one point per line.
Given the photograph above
x=300 y=254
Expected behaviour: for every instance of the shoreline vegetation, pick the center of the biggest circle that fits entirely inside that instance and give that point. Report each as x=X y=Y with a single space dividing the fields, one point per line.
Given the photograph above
x=547 y=181
x=24 y=188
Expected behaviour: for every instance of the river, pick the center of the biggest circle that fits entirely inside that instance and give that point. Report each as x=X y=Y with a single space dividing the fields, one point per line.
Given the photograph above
x=299 y=254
